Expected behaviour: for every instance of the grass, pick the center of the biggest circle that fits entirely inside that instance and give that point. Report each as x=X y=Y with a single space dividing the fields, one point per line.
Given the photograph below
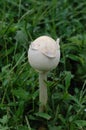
x=20 y=23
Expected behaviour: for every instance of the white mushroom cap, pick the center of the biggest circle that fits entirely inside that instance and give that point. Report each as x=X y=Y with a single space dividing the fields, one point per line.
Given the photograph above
x=44 y=53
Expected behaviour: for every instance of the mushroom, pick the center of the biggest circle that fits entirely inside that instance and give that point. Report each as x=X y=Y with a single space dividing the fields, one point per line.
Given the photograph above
x=44 y=55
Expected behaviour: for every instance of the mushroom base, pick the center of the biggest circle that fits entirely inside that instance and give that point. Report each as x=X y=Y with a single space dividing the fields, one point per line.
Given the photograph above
x=43 y=97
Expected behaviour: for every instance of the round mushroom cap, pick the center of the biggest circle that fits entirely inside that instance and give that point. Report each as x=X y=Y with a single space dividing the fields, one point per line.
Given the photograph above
x=44 y=53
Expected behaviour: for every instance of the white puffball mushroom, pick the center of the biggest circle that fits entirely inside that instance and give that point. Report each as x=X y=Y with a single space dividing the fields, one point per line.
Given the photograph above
x=44 y=55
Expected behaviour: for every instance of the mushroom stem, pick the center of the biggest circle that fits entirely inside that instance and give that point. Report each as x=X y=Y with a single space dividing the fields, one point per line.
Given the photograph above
x=43 y=97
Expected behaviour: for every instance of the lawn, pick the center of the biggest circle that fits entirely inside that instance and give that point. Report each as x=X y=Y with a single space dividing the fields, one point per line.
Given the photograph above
x=21 y=22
